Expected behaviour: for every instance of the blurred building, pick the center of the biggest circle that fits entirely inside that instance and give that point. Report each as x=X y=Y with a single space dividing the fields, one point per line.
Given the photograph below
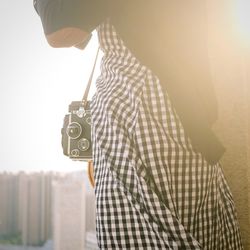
x=91 y=241
x=46 y=205
x=35 y=207
x=69 y=214
x=25 y=206
x=74 y=213
x=8 y=204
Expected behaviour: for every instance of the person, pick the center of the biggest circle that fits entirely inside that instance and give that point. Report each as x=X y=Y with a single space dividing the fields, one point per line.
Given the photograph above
x=158 y=180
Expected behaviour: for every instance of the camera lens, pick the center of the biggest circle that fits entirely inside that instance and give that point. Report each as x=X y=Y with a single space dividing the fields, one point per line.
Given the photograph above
x=83 y=144
x=74 y=130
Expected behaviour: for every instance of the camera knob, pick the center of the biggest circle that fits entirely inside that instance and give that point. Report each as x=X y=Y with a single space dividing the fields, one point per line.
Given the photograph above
x=75 y=153
x=83 y=144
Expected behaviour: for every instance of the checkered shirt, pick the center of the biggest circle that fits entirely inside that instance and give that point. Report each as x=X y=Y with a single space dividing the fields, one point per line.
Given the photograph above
x=152 y=190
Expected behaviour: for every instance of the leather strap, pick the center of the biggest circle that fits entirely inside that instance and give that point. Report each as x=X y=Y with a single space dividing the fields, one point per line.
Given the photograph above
x=91 y=173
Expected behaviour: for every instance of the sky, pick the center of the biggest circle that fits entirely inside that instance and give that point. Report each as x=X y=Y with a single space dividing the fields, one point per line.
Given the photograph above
x=37 y=83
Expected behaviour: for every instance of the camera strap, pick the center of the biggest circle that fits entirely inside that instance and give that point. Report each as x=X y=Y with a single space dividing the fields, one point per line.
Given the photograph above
x=86 y=93
x=84 y=103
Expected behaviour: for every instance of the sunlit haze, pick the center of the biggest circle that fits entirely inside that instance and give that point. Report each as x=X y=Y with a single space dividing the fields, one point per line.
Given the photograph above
x=241 y=10
x=37 y=85
x=39 y=82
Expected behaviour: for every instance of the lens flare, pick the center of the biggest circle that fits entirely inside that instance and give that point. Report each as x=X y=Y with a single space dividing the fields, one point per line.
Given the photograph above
x=241 y=10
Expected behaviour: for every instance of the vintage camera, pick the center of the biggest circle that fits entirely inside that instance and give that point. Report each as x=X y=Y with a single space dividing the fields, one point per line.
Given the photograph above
x=76 y=132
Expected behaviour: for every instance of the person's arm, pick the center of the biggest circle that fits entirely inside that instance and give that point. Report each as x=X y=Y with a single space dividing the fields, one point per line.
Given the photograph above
x=69 y=23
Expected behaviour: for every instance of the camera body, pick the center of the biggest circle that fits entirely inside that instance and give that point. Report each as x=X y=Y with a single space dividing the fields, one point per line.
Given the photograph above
x=76 y=132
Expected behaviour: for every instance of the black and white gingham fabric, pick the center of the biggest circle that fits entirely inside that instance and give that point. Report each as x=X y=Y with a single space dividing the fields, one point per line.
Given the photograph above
x=152 y=190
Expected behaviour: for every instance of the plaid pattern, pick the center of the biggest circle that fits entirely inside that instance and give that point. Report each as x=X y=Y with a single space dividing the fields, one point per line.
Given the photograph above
x=152 y=190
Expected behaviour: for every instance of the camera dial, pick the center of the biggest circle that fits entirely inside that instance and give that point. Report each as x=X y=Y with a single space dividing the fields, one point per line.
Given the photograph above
x=74 y=130
x=83 y=144
x=75 y=153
